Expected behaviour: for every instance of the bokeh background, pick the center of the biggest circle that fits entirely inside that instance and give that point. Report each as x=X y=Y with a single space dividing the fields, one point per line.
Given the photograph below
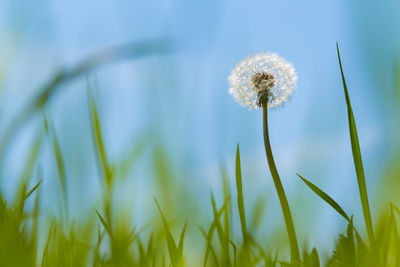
x=177 y=104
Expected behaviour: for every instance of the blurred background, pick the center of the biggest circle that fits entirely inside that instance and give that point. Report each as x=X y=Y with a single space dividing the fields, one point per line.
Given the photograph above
x=172 y=113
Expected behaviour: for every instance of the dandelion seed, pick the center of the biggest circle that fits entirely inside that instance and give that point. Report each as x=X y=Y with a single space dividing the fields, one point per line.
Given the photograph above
x=265 y=79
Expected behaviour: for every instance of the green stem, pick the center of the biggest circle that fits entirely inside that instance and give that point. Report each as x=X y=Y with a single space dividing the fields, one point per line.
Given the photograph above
x=294 y=249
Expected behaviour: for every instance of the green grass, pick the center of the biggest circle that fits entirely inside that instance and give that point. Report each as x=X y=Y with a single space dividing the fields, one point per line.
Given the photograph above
x=107 y=238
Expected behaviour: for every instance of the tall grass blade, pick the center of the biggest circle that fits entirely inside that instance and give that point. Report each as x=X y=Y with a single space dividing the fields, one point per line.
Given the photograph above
x=240 y=200
x=355 y=146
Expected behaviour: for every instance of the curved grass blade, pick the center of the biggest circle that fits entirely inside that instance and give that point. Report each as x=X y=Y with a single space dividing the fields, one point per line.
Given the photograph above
x=355 y=147
x=336 y=206
x=325 y=197
x=65 y=75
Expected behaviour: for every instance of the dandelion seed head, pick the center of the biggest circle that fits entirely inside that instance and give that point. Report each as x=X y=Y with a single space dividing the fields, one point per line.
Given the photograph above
x=264 y=79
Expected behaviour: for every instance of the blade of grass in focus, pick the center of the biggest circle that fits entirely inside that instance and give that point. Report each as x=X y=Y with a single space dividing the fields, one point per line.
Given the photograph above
x=334 y=205
x=355 y=146
x=325 y=197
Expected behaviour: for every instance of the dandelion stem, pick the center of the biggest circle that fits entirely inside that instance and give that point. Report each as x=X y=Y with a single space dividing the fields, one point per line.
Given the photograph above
x=294 y=249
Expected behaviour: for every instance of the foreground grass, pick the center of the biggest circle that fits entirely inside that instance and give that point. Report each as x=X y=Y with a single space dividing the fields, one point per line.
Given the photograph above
x=108 y=242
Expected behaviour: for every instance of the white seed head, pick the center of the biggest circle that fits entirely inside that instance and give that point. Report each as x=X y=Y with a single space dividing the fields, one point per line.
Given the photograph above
x=263 y=79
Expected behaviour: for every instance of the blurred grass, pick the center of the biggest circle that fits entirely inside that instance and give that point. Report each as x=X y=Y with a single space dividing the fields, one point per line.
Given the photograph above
x=110 y=238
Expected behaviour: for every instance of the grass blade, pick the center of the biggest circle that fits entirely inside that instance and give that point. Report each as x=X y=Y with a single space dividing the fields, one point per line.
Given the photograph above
x=51 y=133
x=172 y=248
x=209 y=247
x=226 y=193
x=33 y=189
x=325 y=197
x=99 y=141
x=181 y=242
x=104 y=223
x=355 y=146
x=224 y=240
x=334 y=205
x=240 y=196
x=396 y=236
x=27 y=172
x=210 y=233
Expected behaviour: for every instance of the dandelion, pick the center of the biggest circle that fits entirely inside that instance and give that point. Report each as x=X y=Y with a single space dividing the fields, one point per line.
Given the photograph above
x=262 y=79
x=266 y=81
